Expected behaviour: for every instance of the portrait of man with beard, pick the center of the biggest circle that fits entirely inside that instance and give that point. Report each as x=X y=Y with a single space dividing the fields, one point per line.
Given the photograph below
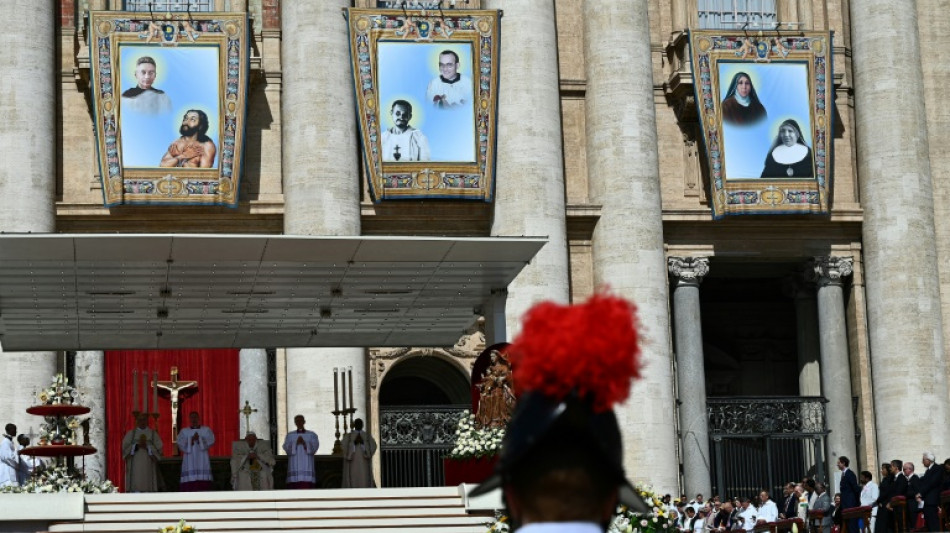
x=194 y=149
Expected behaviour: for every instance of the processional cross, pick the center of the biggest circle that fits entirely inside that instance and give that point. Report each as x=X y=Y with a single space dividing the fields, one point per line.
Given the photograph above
x=174 y=387
x=246 y=411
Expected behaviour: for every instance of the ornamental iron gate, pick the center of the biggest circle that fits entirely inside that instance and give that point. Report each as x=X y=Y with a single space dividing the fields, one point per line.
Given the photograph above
x=413 y=440
x=763 y=443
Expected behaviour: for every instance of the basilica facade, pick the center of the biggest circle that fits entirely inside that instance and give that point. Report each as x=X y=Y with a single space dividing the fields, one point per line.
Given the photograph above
x=773 y=343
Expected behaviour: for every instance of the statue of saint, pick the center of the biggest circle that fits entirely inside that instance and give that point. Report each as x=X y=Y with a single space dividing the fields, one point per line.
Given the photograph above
x=497 y=400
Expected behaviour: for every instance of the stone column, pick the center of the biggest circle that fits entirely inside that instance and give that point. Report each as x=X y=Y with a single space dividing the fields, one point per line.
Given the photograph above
x=28 y=71
x=253 y=390
x=688 y=273
x=529 y=192
x=321 y=182
x=835 y=367
x=936 y=67
x=90 y=380
x=900 y=256
x=627 y=244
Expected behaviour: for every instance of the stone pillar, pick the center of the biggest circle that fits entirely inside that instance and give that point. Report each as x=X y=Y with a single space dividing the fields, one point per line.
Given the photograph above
x=321 y=183
x=900 y=256
x=809 y=350
x=936 y=67
x=835 y=367
x=253 y=390
x=28 y=71
x=90 y=380
x=627 y=244
x=529 y=191
x=688 y=273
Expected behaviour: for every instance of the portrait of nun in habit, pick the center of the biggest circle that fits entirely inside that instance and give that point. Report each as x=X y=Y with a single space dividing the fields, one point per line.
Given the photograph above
x=741 y=106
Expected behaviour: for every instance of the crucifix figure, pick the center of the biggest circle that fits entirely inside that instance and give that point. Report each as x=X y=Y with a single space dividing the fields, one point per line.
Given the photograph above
x=246 y=411
x=174 y=387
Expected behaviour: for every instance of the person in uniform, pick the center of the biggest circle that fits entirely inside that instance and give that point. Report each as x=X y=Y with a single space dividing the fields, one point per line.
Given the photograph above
x=561 y=463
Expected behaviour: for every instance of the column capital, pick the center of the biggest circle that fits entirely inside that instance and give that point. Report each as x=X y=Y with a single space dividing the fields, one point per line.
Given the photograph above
x=829 y=270
x=688 y=270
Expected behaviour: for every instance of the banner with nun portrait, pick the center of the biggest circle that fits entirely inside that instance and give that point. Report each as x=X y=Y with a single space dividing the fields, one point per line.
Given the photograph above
x=765 y=108
x=426 y=92
x=168 y=94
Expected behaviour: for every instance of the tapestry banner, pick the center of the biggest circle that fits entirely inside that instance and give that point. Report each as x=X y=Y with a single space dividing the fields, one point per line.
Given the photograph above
x=765 y=105
x=169 y=93
x=426 y=85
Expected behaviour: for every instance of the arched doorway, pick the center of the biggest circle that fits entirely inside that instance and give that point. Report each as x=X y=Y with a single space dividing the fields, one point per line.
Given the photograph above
x=420 y=400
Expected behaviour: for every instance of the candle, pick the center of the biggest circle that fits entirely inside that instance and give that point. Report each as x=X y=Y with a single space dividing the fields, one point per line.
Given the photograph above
x=155 y=392
x=350 y=372
x=336 y=395
x=145 y=391
x=135 y=388
x=343 y=396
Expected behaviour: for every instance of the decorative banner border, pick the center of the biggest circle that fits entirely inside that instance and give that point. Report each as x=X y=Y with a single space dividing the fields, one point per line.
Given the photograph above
x=396 y=57
x=771 y=154
x=201 y=61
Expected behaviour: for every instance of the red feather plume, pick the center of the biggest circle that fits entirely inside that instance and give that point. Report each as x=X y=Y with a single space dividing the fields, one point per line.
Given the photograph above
x=590 y=347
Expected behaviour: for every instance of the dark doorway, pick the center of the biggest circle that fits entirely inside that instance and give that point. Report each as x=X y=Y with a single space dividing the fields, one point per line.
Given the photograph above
x=749 y=331
x=420 y=401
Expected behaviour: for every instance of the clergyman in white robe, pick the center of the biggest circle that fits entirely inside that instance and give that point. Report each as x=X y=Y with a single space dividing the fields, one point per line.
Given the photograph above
x=141 y=449
x=9 y=458
x=358 y=449
x=194 y=443
x=300 y=446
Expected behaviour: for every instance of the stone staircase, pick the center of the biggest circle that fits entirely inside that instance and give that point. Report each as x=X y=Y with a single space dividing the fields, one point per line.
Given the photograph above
x=439 y=509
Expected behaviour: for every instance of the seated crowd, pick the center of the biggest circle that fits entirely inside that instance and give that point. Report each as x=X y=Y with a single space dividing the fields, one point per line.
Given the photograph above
x=902 y=495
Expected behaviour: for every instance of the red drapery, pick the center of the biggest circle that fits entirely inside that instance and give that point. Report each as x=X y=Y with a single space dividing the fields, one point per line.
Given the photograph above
x=215 y=399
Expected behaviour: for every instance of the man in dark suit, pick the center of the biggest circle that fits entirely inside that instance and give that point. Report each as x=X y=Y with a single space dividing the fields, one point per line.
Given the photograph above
x=790 y=503
x=885 y=519
x=912 y=488
x=899 y=488
x=849 y=489
x=928 y=491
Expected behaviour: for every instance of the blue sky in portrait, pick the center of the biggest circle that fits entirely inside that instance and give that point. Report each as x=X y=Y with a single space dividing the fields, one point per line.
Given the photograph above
x=782 y=88
x=404 y=70
x=189 y=75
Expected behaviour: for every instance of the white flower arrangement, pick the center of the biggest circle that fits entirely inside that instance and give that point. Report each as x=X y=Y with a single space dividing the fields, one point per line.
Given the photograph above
x=61 y=479
x=472 y=441
x=180 y=527
x=59 y=392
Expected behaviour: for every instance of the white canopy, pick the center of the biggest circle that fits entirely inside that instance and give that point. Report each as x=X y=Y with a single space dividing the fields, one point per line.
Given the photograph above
x=93 y=292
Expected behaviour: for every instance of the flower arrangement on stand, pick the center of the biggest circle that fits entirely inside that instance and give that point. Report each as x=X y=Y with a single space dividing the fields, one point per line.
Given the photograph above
x=61 y=479
x=624 y=521
x=472 y=442
x=59 y=392
x=180 y=527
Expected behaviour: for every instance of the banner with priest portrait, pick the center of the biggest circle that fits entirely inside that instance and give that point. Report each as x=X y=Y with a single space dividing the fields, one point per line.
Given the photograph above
x=169 y=106
x=426 y=92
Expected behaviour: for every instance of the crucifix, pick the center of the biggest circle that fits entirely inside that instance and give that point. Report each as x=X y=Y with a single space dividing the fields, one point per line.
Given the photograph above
x=246 y=411
x=174 y=387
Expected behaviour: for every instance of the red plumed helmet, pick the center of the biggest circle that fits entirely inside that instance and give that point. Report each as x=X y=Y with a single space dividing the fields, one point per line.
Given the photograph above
x=591 y=348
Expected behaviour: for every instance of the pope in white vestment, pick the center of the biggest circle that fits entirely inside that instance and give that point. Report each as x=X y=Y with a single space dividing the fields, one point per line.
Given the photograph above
x=300 y=446
x=141 y=450
x=252 y=464
x=358 y=449
x=194 y=443
x=9 y=458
